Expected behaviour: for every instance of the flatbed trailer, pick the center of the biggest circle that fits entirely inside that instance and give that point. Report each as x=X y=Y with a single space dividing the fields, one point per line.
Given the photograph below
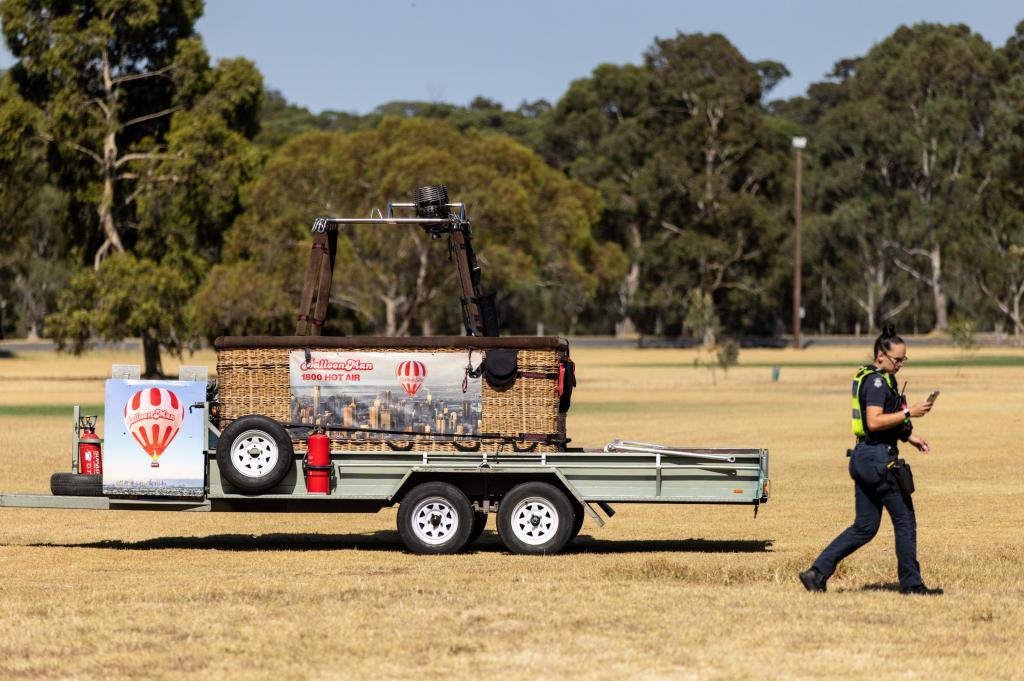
x=445 y=498
x=540 y=489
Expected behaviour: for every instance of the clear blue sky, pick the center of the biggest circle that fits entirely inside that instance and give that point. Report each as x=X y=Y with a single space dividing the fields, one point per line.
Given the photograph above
x=353 y=55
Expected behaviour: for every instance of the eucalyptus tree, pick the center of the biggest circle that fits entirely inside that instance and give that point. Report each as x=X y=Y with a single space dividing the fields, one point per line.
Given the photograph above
x=994 y=257
x=532 y=231
x=690 y=172
x=901 y=142
x=32 y=248
x=151 y=145
x=931 y=88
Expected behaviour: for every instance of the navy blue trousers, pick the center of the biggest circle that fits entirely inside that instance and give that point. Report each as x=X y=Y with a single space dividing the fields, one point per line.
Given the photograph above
x=872 y=491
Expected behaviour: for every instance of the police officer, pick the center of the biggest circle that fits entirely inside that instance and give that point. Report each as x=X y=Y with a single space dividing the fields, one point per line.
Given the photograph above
x=881 y=418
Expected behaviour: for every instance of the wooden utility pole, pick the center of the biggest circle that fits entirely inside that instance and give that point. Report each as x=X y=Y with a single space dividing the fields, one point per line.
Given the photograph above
x=798 y=143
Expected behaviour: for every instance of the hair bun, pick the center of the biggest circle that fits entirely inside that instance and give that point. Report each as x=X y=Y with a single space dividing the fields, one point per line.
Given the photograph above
x=888 y=330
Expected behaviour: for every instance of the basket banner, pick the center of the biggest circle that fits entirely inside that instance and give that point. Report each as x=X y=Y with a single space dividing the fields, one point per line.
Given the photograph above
x=417 y=394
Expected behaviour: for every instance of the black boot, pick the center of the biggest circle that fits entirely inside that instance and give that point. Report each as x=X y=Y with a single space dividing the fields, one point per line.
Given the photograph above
x=921 y=590
x=813 y=580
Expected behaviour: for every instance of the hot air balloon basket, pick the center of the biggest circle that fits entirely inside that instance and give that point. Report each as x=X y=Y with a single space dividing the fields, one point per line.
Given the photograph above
x=524 y=417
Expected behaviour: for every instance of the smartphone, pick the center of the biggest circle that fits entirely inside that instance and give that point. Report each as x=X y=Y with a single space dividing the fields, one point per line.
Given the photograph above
x=933 y=397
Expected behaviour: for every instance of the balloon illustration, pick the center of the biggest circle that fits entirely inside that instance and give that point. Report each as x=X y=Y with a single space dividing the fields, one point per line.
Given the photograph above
x=153 y=416
x=411 y=375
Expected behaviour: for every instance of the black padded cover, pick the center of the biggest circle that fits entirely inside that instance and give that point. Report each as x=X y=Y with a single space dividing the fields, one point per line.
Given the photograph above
x=500 y=367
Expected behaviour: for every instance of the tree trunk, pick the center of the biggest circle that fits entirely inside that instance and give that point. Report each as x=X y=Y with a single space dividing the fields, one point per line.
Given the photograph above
x=151 y=355
x=710 y=339
x=868 y=304
x=938 y=293
x=390 y=315
x=105 y=211
x=1018 y=327
x=627 y=292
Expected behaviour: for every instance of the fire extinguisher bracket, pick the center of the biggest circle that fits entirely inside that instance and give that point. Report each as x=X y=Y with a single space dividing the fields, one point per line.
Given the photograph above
x=306 y=466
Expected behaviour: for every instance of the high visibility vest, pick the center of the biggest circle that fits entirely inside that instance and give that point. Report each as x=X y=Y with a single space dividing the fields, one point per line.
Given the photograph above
x=859 y=429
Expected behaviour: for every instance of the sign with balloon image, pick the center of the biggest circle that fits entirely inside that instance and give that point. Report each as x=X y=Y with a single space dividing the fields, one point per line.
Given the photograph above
x=153 y=442
x=386 y=395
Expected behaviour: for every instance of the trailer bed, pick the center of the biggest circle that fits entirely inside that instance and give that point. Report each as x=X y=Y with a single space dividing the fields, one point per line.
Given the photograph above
x=591 y=476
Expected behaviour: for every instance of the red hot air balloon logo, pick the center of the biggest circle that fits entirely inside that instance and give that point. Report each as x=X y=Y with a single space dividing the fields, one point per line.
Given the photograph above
x=153 y=416
x=411 y=375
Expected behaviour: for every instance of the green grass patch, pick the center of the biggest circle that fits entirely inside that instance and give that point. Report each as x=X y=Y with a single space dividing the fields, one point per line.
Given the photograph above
x=952 y=362
x=47 y=410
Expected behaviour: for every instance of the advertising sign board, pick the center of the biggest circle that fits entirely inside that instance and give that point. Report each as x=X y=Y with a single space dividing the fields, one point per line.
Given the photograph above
x=386 y=395
x=153 y=441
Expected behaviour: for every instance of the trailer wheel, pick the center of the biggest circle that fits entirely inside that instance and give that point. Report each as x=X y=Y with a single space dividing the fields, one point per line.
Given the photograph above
x=76 y=485
x=535 y=518
x=435 y=517
x=479 y=525
x=254 y=453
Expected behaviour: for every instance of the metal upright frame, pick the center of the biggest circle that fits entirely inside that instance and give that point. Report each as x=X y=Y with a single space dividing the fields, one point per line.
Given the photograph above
x=316 y=290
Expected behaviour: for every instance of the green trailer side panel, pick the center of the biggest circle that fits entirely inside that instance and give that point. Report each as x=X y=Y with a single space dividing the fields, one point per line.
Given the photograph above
x=378 y=479
x=381 y=482
x=590 y=476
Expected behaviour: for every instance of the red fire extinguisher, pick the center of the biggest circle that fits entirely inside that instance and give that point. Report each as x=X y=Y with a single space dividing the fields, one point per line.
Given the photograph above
x=90 y=461
x=318 y=464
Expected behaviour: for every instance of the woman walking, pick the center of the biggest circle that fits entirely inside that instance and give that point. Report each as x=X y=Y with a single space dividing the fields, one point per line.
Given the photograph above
x=881 y=419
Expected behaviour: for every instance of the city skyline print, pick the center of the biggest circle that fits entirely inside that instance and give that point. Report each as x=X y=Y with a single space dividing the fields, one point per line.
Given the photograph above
x=396 y=396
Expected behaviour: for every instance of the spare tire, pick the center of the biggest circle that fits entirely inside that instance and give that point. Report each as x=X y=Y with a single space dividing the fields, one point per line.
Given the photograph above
x=254 y=454
x=76 y=485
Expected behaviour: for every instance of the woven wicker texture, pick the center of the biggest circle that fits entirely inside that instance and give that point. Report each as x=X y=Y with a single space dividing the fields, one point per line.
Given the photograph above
x=256 y=381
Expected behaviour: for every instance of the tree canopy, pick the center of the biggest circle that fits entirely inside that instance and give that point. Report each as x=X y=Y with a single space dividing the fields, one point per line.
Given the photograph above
x=532 y=230
x=148 y=143
x=145 y=191
x=691 y=173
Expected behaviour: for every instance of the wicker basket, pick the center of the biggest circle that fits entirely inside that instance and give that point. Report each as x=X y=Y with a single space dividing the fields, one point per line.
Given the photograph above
x=253 y=378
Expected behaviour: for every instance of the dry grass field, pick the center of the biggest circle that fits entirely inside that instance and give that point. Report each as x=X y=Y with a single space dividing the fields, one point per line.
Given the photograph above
x=685 y=592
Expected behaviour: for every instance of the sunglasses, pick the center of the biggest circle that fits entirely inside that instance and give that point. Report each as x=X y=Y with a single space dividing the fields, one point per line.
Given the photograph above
x=898 y=361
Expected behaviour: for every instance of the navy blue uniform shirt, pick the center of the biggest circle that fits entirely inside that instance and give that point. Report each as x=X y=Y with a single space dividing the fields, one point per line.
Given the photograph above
x=875 y=392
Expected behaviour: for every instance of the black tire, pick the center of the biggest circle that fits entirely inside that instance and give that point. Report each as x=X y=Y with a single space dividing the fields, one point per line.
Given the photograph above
x=479 y=525
x=254 y=454
x=535 y=518
x=76 y=485
x=577 y=520
x=435 y=517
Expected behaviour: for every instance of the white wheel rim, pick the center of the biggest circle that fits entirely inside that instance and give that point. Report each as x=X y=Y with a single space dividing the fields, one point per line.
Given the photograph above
x=534 y=521
x=254 y=454
x=435 y=520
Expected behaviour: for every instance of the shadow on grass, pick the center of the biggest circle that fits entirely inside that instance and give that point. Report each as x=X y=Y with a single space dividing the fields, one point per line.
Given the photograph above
x=881 y=586
x=388 y=540
x=588 y=544
x=370 y=541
